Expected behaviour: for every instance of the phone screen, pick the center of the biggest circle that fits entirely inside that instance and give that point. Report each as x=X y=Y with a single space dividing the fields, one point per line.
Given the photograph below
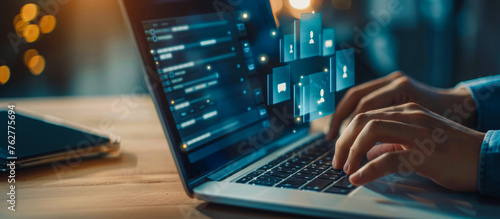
x=33 y=137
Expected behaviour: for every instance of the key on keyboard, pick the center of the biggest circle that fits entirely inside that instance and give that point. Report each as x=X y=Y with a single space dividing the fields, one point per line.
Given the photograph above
x=317 y=184
x=292 y=183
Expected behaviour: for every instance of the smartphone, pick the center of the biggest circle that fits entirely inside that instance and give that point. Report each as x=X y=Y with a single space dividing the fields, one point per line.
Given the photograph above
x=34 y=139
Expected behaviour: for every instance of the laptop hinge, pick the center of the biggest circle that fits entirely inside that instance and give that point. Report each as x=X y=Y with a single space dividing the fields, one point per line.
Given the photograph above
x=252 y=157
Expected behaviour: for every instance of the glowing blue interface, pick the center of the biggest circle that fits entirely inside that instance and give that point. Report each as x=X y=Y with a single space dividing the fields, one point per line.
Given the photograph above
x=313 y=92
x=289 y=48
x=328 y=41
x=310 y=32
x=345 y=69
x=313 y=98
x=279 y=85
x=205 y=64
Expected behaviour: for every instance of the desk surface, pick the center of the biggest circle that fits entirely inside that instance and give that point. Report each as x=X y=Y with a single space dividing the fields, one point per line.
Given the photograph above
x=141 y=182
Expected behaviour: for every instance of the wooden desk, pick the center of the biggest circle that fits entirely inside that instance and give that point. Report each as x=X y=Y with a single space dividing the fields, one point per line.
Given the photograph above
x=141 y=182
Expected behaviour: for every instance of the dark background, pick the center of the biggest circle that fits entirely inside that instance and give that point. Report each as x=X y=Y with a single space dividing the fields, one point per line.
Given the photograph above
x=90 y=52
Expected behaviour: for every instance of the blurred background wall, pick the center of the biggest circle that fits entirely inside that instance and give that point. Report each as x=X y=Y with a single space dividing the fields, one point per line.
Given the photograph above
x=89 y=50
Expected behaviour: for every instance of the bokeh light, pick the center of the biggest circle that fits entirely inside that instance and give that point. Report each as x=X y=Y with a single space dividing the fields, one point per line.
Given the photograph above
x=276 y=5
x=4 y=74
x=245 y=16
x=263 y=58
x=29 y=12
x=30 y=25
x=296 y=7
x=47 y=23
x=20 y=26
x=30 y=53
x=36 y=64
x=17 y=18
x=300 y=4
x=31 y=33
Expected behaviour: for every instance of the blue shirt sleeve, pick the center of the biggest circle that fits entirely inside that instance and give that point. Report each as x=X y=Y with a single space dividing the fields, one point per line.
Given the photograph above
x=489 y=165
x=486 y=94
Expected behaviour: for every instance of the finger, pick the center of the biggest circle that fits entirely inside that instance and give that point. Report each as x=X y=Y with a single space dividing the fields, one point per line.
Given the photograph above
x=382 y=166
x=380 y=149
x=384 y=131
x=351 y=99
x=409 y=113
x=389 y=95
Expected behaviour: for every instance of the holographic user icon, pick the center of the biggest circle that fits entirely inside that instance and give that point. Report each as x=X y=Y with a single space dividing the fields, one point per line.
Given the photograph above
x=311 y=41
x=345 y=72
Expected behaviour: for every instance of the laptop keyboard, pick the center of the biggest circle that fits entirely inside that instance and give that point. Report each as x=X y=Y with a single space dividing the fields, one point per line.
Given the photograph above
x=308 y=167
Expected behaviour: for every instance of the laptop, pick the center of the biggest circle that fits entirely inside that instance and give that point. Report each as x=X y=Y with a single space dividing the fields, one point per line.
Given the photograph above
x=205 y=64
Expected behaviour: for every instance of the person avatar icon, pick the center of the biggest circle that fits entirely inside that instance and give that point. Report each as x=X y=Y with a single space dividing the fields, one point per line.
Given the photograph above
x=311 y=34
x=345 y=72
x=322 y=93
x=291 y=48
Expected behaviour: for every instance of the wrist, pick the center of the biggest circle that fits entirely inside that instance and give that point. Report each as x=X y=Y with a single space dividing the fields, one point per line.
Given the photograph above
x=459 y=106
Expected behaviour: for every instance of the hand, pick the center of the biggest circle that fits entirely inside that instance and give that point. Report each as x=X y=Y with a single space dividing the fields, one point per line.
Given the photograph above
x=413 y=139
x=396 y=89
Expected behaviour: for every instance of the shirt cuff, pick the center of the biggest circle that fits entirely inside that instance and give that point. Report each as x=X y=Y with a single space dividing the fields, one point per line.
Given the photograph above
x=485 y=93
x=489 y=165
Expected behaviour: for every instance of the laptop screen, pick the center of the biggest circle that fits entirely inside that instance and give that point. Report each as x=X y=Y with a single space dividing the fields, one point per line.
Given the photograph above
x=207 y=62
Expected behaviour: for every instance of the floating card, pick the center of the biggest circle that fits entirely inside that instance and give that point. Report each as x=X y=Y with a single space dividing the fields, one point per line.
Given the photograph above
x=328 y=41
x=321 y=100
x=279 y=85
x=345 y=69
x=310 y=31
x=289 y=48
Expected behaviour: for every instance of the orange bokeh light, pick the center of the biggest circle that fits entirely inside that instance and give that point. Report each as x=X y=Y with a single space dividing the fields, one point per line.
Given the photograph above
x=30 y=53
x=20 y=26
x=31 y=33
x=17 y=18
x=47 y=23
x=29 y=12
x=276 y=5
x=4 y=74
x=36 y=64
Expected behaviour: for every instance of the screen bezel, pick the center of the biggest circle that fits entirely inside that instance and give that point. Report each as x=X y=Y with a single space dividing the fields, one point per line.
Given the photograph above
x=137 y=11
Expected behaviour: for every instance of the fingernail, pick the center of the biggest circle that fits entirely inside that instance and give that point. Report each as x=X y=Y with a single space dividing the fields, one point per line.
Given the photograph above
x=356 y=177
x=346 y=167
x=333 y=161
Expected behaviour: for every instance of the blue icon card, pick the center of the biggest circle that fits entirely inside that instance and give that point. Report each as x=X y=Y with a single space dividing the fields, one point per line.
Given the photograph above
x=279 y=85
x=310 y=31
x=289 y=48
x=313 y=97
x=328 y=41
x=322 y=101
x=345 y=69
